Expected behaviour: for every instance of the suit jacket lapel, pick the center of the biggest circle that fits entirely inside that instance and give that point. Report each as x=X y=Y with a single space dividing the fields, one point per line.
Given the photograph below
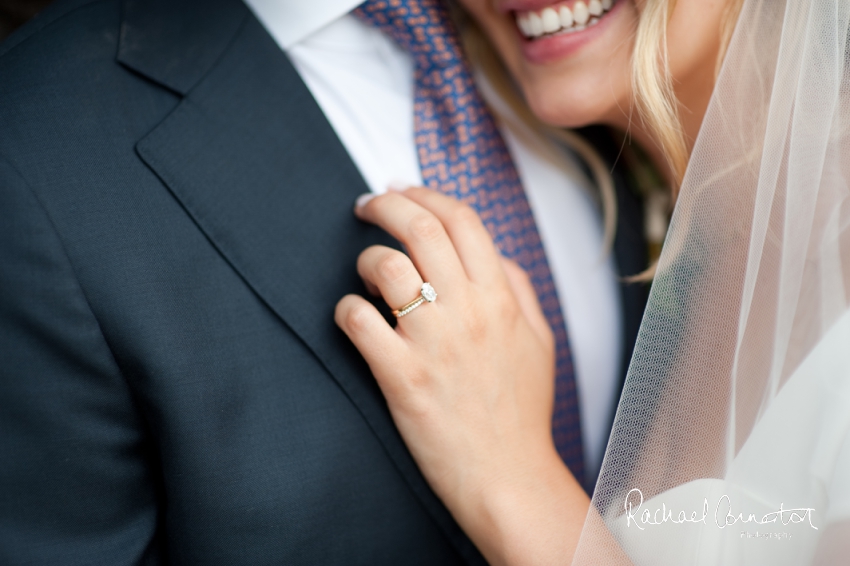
x=254 y=162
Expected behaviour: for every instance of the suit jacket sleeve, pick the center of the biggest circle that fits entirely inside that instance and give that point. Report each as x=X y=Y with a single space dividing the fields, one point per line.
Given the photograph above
x=74 y=459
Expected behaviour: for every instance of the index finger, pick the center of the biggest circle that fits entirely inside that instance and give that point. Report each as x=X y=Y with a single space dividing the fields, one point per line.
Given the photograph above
x=422 y=234
x=474 y=245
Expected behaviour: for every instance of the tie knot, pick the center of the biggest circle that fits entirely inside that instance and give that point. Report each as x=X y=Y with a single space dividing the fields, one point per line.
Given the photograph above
x=421 y=27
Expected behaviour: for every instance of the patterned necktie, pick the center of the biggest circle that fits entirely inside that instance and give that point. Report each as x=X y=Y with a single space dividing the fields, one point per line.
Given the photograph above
x=462 y=154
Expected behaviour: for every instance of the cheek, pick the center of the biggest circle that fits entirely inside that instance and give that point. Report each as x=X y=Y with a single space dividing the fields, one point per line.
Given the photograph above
x=693 y=36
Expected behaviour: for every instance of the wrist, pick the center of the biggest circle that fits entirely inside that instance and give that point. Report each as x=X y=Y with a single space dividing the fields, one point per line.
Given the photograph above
x=530 y=511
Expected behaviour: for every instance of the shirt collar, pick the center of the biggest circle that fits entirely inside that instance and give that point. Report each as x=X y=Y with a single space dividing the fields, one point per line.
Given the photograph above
x=290 y=21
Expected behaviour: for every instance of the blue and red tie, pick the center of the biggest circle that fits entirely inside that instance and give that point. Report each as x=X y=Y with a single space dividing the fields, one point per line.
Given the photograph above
x=462 y=154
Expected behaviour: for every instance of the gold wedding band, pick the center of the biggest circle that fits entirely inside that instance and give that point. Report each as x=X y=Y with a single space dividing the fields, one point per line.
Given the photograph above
x=427 y=294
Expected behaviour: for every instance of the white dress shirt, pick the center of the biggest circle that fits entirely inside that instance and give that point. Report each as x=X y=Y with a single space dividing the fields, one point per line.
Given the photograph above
x=364 y=84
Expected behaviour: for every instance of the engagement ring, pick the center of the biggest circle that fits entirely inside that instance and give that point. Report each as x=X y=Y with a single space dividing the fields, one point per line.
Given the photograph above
x=426 y=294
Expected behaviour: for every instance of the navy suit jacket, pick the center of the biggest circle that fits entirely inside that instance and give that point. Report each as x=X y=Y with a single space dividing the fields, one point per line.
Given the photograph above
x=175 y=229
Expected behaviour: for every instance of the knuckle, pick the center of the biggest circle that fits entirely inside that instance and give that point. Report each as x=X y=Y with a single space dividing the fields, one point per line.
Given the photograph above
x=418 y=382
x=478 y=324
x=393 y=266
x=477 y=329
x=358 y=317
x=505 y=305
x=425 y=227
x=464 y=215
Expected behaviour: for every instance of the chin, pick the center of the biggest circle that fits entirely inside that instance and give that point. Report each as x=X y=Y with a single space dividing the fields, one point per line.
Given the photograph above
x=570 y=77
x=569 y=104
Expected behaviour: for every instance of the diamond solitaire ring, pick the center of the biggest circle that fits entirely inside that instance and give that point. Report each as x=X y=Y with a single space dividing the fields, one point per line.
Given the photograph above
x=426 y=295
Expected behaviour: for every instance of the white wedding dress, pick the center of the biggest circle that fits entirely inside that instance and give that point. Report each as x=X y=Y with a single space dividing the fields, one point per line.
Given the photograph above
x=797 y=457
x=738 y=394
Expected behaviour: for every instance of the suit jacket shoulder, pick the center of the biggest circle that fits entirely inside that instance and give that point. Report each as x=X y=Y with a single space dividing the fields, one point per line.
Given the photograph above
x=178 y=226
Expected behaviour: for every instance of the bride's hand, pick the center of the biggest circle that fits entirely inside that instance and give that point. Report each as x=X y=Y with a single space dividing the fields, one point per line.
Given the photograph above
x=469 y=378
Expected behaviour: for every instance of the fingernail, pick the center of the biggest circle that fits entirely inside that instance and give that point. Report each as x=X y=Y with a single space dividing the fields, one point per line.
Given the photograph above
x=363 y=199
x=398 y=186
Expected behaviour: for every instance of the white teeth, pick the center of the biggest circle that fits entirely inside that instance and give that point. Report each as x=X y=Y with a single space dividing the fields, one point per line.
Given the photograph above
x=561 y=18
x=551 y=21
x=566 y=17
x=580 y=13
x=524 y=25
x=535 y=25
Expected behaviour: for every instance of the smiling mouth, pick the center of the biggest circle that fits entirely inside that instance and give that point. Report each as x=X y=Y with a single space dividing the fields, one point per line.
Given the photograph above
x=561 y=18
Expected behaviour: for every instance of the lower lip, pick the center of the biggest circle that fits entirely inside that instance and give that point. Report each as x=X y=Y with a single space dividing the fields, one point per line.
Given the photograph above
x=549 y=49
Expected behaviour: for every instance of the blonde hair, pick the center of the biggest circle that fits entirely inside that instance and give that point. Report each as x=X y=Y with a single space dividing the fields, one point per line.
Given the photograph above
x=652 y=82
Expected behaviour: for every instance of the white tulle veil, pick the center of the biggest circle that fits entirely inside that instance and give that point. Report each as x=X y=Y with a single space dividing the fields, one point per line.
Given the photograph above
x=740 y=382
